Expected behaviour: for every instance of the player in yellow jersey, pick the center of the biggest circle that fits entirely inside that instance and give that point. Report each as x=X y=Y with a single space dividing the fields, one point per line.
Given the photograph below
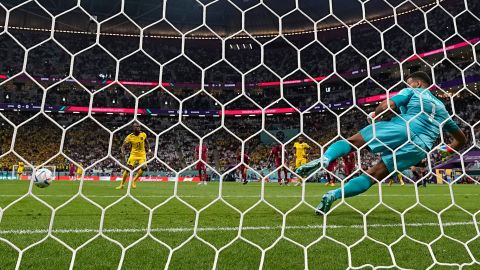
x=79 y=171
x=300 y=149
x=139 y=146
x=20 y=169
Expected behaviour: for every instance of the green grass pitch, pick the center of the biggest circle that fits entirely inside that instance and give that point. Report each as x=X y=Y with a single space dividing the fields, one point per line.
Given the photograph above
x=177 y=236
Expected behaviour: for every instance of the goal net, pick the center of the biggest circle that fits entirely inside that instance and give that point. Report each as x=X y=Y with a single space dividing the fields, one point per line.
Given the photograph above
x=185 y=123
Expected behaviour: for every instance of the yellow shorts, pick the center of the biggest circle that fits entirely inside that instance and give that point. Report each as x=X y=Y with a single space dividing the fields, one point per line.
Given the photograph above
x=299 y=162
x=136 y=160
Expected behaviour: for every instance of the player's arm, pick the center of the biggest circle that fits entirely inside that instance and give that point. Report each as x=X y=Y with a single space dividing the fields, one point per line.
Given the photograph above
x=270 y=156
x=123 y=148
x=459 y=139
x=147 y=146
x=383 y=106
x=401 y=99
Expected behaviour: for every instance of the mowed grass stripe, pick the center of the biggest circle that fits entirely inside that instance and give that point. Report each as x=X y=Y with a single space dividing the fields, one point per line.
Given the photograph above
x=233 y=196
x=249 y=228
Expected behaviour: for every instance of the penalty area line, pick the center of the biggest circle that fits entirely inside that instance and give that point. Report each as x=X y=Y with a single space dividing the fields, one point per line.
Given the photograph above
x=246 y=228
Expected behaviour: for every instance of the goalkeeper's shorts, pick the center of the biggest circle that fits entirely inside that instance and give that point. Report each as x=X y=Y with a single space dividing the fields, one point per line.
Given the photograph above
x=394 y=136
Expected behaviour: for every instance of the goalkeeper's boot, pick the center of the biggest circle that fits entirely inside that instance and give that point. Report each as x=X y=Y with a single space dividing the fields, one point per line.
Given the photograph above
x=119 y=187
x=134 y=184
x=326 y=203
x=310 y=167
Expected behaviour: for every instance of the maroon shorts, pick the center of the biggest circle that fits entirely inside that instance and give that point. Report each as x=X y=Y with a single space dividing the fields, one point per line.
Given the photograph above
x=278 y=163
x=200 y=166
x=331 y=167
x=242 y=167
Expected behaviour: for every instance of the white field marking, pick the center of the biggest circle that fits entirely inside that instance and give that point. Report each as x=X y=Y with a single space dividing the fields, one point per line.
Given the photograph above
x=253 y=228
x=240 y=196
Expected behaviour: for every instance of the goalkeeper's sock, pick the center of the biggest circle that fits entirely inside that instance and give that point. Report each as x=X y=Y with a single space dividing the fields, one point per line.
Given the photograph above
x=354 y=187
x=338 y=149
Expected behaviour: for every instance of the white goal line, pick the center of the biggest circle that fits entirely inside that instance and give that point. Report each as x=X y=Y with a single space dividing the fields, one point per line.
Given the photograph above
x=246 y=228
x=237 y=196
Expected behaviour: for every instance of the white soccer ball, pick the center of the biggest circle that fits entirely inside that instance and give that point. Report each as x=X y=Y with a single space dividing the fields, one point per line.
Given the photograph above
x=42 y=178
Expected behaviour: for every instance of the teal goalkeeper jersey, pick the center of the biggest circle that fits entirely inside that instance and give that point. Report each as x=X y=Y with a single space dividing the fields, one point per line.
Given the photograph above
x=427 y=114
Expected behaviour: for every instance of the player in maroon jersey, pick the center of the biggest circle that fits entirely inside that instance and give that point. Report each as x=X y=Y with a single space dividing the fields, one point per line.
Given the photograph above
x=201 y=156
x=276 y=153
x=71 y=171
x=243 y=168
x=348 y=163
x=331 y=168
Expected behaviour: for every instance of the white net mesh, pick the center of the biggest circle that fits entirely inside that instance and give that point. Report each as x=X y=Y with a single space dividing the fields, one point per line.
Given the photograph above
x=238 y=77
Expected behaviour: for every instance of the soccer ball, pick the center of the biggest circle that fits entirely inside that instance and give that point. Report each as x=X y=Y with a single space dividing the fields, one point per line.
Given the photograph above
x=42 y=178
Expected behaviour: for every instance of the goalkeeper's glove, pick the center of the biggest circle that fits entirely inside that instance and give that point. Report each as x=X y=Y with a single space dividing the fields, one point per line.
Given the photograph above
x=446 y=149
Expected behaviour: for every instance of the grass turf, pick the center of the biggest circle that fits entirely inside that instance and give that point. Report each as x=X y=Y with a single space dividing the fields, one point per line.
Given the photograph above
x=173 y=220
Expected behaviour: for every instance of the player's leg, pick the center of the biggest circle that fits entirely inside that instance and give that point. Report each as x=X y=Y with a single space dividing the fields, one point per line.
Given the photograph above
x=199 y=169
x=138 y=174
x=200 y=176
x=205 y=176
x=405 y=157
x=354 y=187
x=130 y=164
x=337 y=149
x=423 y=175
x=299 y=164
x=279 y=172
x=285 y=175
x=243 y=172
x=416 y=175
x=124 y=179
x=400 y=178
x=332 y=183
